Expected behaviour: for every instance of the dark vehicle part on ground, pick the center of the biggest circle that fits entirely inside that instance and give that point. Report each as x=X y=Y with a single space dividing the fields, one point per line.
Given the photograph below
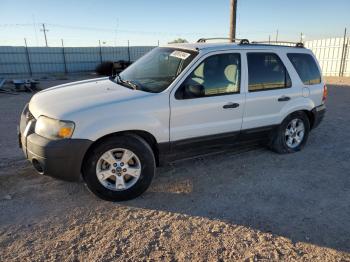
x=27 y=85
x=4 y=91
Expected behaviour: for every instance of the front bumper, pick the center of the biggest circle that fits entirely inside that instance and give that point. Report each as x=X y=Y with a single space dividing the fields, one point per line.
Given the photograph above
x=319 y=113
x=57 y=158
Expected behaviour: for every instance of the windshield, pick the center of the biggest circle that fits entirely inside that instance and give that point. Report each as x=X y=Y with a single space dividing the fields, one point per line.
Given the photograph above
x=156 y=70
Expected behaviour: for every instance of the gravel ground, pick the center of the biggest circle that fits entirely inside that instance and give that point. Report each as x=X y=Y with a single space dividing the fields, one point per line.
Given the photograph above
x=258 y=206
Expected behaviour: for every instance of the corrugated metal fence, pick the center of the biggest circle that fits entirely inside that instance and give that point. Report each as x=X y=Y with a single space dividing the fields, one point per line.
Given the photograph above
x=332 y=54
x=15 y=61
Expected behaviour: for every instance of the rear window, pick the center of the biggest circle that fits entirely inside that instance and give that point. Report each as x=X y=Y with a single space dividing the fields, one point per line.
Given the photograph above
x=306 y=67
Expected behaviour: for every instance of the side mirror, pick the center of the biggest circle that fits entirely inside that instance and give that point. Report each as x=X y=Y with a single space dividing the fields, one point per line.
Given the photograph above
x=193 y=91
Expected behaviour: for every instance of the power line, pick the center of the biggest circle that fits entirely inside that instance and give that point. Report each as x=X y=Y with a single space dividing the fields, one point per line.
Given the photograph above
x=116 y=31
x=113 y=30
x=13 y=25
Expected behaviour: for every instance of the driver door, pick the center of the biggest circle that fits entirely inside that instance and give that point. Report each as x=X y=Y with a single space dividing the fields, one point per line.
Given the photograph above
x=207 y=108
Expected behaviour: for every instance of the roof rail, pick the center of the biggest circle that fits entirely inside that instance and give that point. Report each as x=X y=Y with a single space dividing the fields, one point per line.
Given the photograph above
x=246 y=42
x=203 y=40
x=282 y=43
x=241 y=41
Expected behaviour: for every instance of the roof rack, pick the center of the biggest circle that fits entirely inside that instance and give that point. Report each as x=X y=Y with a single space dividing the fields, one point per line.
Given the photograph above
x=246 y=42
x=204 y=40
x=281 y=43
x=241 y=41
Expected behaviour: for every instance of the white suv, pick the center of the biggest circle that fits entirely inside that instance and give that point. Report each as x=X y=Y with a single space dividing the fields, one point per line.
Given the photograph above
x=175 y=101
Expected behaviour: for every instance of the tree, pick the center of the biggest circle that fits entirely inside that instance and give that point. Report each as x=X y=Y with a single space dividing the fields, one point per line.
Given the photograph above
x=179 y=40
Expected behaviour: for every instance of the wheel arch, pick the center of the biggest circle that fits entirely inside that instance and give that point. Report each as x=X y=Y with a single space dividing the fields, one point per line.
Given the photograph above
x=310 y=115
x=148 y=137
x=301 y=104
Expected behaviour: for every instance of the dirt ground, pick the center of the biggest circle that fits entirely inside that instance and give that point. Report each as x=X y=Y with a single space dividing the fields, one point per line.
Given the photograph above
x=235 y=206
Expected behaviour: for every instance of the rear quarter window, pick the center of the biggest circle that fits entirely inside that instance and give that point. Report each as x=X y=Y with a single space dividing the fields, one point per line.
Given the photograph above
x=306 y=67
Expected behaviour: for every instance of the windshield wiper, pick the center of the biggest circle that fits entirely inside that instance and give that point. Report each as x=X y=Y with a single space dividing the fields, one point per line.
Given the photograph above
x=132 y=84
x=129 y=83
x=123 y=82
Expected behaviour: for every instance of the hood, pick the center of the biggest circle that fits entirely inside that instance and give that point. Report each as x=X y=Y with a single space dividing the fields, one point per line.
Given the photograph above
x=60 y=101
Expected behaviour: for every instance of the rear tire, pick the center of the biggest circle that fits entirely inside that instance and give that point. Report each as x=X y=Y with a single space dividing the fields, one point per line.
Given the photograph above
x=291 y=136
x=111 y=175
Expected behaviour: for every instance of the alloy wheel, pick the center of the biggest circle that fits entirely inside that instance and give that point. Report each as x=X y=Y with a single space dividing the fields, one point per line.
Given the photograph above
x=118 y=169
x=294 y=133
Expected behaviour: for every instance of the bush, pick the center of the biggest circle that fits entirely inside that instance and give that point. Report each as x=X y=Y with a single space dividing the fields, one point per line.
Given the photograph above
x=120 y=65
x=108 y=68
x=105 y=68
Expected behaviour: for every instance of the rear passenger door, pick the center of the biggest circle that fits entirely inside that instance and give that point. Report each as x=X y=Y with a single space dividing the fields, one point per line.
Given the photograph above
x=269 y=89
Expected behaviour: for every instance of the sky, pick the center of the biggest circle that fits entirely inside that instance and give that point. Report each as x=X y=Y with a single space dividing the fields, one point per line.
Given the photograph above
x=142 y=22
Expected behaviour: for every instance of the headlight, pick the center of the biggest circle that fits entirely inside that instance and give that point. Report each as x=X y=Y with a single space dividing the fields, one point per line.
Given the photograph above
x=54 y=129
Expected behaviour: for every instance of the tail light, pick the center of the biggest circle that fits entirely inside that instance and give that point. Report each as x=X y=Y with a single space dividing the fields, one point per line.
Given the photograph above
x=325 y=93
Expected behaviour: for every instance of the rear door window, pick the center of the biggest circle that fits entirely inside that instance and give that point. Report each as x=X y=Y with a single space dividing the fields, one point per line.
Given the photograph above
x=306 y=68
x=266 y=72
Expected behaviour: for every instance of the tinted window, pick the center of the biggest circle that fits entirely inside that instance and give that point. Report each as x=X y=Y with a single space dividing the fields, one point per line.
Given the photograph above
x=306 y=67
x=266 y=71
x=216 y=75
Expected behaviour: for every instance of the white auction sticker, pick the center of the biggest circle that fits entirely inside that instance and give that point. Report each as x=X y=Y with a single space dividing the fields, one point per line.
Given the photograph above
x=180 y=54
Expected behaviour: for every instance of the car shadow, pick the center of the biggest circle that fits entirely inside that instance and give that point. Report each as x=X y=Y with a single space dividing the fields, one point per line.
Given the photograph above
x=295 y=196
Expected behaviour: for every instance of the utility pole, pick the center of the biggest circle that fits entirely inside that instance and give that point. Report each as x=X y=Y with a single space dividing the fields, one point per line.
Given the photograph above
x=44 y=30
x=233 y=20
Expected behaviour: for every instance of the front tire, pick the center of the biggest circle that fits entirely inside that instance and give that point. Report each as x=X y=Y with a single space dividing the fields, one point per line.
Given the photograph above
x=119 y=168
x=291 y=136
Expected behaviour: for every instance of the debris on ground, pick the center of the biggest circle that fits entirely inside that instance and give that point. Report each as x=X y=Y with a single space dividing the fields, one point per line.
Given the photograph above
x=7 y=197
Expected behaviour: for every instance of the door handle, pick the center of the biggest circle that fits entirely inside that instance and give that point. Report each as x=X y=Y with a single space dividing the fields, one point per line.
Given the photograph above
x=230 y=105
x=283 y=98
